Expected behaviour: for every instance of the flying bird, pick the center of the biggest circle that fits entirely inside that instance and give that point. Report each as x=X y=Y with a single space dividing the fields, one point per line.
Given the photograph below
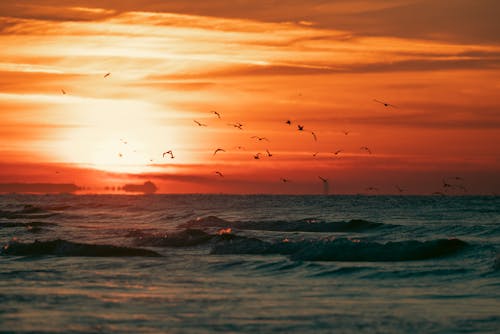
x=326 y=186
x=120 y=155
x=237 y=125
x=366 y=149
x=314 y=136
x=399 y=188
x=289 y=122
x=300 y=127
x=199 y=124
x=63 y=91
x=218 y=150
x=315 y=154
x=219 y=173
x=446 y=184
x=107 y=75
x=260 y=138
x=338 y=152
x=385 y=104
x=216 y=114
x=285 y=180
x=257 y=156
x=169 y=152
x=346 y=132
x=268 y=153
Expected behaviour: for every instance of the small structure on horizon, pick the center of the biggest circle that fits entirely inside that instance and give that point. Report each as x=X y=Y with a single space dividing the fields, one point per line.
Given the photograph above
x=147 y=187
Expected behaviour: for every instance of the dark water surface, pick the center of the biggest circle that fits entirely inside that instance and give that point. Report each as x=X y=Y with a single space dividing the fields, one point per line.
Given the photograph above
x=249 y=264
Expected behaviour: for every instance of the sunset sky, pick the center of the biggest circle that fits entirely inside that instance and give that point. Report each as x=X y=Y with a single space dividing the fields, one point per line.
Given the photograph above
x=320 y=64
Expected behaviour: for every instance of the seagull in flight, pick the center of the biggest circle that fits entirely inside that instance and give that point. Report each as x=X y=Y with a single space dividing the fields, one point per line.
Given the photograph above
x=268 y=153
x=366 y=149
x=107 y=75
x=169 y=152
x=216 y=114
x=338 y=152
x=260 y=138
x=346 y=132
x=199 y=124
x=237 y=125
x=218 y=150
x=385 y=104
x=257 y=156
x=285 y=180
x=219 y=173
x=315 y=154
x=289 y=122
x=323 y=179
x=314 y=136
x=300 y=127
x=63 y=91
x=399 y=188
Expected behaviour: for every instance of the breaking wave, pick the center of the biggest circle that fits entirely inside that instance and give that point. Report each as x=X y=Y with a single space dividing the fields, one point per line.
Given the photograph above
x=67 y=248
x=303 y=225
x=26 y=211
x=342 y=249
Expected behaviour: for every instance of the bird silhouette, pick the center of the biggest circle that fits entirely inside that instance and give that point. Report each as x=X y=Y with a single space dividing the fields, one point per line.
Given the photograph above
x=107 y=75
x=399 y=188
x=285 y=180
x=63 y=91
x=385 y=104
x=219 y=173
x=338 y=152
x=268 y=153
x=365 y=148
x=216 y=114
x=257 y=156
x=169 y=152
x=199 y=124
x=218 y=150
x=237 y=125
x=300 y=127
x=315 y=154
x=289 y=122
x=346 y=132
x=314 y=136
x=260 y=138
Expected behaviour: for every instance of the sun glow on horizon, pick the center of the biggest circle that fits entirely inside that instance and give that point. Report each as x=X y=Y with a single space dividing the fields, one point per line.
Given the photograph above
x=112 y=89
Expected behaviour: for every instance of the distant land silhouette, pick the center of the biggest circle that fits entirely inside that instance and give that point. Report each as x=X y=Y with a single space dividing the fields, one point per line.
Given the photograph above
x=147 y=187
x=38 y=188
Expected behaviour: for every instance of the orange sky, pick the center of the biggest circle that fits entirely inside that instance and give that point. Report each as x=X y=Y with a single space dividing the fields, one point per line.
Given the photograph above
x=317 y=63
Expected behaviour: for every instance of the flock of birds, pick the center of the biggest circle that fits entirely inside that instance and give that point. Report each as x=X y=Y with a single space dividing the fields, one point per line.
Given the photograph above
x=448 y=183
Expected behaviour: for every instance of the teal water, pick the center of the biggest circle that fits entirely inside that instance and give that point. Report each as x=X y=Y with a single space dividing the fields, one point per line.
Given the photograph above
x=247 y=264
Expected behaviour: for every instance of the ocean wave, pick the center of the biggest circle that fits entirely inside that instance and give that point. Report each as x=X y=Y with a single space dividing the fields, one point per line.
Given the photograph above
x=302 y=225
x=67 y=248
x=185 y=238
x=342 y=249
x=26 y=211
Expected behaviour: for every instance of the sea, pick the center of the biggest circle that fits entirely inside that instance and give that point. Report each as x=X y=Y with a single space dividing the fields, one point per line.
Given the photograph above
x=249 y=264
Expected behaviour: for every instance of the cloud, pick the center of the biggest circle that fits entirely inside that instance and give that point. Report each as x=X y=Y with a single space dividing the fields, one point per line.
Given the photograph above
x=449 y=20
